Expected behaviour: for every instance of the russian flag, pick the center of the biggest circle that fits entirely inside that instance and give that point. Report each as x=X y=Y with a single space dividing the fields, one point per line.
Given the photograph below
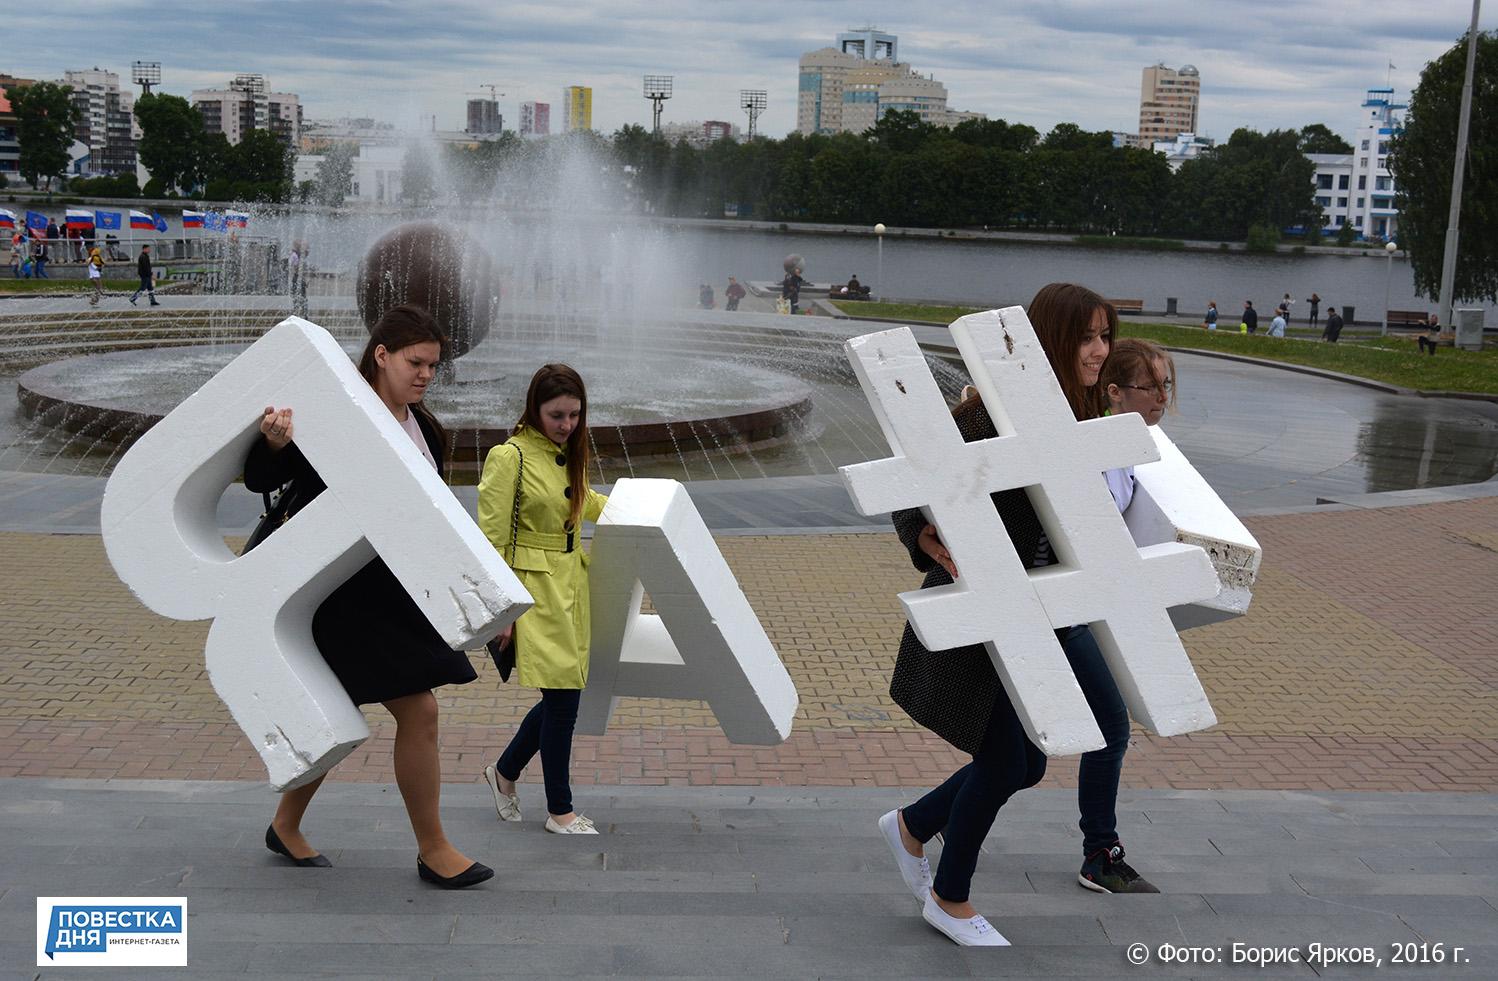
x=78 y=218
x=141 y=220
x=7 y=219
x=237 y=219
x=107 y=220
x=192 y=219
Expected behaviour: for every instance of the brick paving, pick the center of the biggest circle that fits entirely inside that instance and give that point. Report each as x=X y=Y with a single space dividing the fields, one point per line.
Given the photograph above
x=1368 y=662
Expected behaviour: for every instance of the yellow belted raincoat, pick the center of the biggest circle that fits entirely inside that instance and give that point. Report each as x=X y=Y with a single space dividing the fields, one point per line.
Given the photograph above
x=551 y=637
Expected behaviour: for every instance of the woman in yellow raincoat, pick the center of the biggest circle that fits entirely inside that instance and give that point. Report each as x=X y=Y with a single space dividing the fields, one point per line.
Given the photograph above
x=533 y=499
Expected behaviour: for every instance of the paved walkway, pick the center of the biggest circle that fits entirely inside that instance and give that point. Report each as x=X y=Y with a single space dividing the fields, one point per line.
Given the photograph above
x=1369 y=661
x=719 y=882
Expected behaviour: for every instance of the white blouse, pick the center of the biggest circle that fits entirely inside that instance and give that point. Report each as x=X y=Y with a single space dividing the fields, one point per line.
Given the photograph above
x=413 y=429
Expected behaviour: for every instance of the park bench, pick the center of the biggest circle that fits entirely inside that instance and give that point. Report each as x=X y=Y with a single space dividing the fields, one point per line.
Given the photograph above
x=1128 y=306
x=1407 y=318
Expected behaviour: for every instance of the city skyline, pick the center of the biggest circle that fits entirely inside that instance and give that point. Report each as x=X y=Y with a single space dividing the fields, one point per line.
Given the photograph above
x=1277 y=65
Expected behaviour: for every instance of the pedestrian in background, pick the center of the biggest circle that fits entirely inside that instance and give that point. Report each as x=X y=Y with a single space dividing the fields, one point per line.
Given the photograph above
x=95 y=275
x=1211 y=321
x=147 y=277
x=1315 y=301
x=1333 y=328
x=733 y=293
x=39 y=258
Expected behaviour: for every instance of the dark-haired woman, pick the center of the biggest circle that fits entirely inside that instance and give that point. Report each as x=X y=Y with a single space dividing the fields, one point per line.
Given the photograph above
x=957 y=693
x=373 y=636
x=545 y=462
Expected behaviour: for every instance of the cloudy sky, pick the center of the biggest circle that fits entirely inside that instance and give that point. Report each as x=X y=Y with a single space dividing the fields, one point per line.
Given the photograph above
x=1264 y=64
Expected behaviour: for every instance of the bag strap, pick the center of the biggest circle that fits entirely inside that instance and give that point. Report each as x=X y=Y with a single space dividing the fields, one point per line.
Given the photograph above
x=515 y=511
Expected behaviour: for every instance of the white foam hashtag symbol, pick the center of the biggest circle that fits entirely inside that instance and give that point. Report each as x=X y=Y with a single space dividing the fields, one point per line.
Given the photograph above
x=1101 y=576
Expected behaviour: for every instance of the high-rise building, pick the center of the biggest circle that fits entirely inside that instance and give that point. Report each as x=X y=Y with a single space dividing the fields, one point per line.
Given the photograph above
x=1357 y=188
x=847 y=88
x=1168 y=103
x=10 y=142
x=484 y=118
x=577 y=108
x=106 y=120
x=535 y=119
x=247 y=104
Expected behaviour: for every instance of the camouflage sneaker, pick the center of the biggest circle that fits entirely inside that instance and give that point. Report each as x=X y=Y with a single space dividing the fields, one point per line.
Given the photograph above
x=1106 y=871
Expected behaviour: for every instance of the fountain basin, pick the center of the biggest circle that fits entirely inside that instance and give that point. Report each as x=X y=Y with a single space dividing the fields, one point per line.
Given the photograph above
x=658 y=404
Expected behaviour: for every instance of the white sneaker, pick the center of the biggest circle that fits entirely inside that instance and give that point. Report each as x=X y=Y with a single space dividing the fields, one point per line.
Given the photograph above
x=579 y=826
x=915 y=871
x=507 y=805
x=976 y=932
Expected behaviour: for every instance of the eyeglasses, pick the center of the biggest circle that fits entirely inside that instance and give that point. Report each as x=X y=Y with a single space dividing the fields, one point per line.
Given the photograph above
x=1166 y=389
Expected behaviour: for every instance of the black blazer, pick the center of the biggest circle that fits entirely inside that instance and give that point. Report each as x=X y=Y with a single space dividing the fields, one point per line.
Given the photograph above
x=952 y=692
x=369 y=630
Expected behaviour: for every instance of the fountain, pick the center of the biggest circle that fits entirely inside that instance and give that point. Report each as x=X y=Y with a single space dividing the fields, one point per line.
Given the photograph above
x=674 y=391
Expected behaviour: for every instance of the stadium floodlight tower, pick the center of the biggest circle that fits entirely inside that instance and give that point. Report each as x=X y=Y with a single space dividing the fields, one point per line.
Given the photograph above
x=752 y=101
x=657 y=90
x=145 y=74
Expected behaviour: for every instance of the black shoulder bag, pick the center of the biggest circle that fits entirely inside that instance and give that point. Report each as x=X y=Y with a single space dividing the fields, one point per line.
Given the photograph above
x=277 y=513
x=503 y=655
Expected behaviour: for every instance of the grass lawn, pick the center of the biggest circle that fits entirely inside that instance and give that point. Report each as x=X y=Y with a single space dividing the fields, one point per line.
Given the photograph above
x=62 y=285
x=1394 y=360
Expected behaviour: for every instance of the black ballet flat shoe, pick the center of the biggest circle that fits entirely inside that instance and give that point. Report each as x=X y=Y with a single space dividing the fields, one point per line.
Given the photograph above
x=471 y=876
x=274 y=843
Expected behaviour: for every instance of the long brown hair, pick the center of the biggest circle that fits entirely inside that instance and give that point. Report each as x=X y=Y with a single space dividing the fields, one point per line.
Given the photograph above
x=1062 y=314
x=398 y=328
x=552 y=381
x=1135 y=357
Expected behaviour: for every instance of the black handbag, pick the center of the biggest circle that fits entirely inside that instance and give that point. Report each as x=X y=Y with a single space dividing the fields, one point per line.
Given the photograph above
x=277 y=513
x=503 y=655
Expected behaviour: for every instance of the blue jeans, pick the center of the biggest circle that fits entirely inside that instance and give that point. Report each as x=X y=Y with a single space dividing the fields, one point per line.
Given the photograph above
x=1097 y=778
x=967 y=804
x=1007 y=762
x=547 y=728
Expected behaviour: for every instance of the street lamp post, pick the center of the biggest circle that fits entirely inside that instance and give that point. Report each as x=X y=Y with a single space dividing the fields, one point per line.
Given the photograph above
x=1389 y=249
x=879 y=273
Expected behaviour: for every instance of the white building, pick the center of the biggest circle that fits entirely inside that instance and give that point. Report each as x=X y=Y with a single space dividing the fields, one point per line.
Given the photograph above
x=1357 y=188
x=1186 y=146
x=248 y=104
x=106 y=123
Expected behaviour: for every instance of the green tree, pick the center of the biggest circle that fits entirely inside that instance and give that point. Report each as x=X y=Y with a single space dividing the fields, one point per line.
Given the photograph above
x=265 y=165
x=335 y=174
x=1252 y=179
x=900 y=131
x=171 y=141
x=418 y=175
x=1318 y=138
x=1421 y=159
x=45 y=121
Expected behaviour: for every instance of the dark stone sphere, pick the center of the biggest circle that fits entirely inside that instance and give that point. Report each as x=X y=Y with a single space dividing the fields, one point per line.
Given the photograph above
x=435 y=267
x=793 y=262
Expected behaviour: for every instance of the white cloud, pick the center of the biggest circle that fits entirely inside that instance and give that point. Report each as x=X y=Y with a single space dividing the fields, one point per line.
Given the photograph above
x=1271 y=64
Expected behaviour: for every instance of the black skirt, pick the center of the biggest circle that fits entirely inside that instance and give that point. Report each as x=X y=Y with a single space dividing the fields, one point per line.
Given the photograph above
x=379 y=644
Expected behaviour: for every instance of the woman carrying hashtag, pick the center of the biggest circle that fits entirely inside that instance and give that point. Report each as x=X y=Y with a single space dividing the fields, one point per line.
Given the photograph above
x=957 y=693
